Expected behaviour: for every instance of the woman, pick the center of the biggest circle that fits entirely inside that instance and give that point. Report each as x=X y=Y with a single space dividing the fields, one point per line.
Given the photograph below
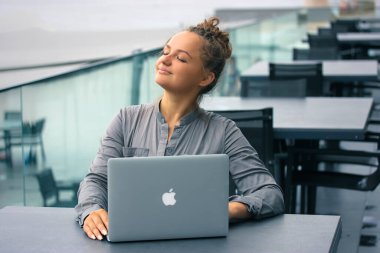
x=190 y=65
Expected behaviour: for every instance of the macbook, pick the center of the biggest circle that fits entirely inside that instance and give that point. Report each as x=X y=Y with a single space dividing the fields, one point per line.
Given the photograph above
x=168 y=197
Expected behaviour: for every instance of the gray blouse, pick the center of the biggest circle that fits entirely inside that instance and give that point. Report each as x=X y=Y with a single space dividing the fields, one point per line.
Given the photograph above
x=141 y=130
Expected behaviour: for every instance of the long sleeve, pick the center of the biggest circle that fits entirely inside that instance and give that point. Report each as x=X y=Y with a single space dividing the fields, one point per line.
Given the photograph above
x=142 y=131
x=92 y=193
x=258 y=188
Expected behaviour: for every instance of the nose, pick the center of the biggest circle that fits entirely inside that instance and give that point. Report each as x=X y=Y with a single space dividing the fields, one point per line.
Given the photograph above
x=166 y=59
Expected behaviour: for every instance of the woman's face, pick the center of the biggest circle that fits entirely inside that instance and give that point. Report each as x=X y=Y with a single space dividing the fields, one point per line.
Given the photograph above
x=180 y=68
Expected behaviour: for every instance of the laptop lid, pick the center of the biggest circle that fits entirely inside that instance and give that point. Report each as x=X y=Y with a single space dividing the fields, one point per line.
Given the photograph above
x=168 y=197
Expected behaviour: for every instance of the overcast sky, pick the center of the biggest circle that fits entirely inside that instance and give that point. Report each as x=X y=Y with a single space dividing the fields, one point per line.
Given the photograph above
x=102 y=15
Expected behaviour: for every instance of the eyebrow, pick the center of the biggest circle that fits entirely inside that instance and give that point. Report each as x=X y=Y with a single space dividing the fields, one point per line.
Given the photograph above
x=180 y=50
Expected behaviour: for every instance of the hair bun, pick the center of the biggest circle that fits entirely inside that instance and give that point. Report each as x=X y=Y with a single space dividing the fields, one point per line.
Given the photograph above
x=210 y=31
x=216 y=49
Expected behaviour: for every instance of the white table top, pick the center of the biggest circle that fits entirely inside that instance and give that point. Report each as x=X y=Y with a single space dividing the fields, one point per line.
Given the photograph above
x=361 y=18
x=338 y=70
x=367 y=26
x=305 y=118
x=365 y=37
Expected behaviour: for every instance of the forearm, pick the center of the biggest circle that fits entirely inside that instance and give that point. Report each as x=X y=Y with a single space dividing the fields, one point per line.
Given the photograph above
x=257 y=188
x=265 y=202
x=92 y=195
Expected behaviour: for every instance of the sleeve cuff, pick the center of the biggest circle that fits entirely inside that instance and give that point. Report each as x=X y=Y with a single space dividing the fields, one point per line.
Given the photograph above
x=253 y=204
x=80 y=219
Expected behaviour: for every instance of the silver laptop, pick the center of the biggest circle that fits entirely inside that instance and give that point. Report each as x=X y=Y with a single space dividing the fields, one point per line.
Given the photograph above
x=167 y=197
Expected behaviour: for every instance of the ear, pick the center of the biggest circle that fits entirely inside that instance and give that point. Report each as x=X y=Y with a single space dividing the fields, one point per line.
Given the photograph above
x=209 y=78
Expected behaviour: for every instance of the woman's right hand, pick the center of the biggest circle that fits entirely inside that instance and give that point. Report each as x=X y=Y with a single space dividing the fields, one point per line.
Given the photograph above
x=96 y=224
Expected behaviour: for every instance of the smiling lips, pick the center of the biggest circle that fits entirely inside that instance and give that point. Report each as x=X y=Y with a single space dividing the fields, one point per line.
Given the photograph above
x=164 y=71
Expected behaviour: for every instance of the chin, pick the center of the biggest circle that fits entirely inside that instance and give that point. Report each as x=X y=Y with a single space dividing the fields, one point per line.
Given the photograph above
x=161 y=83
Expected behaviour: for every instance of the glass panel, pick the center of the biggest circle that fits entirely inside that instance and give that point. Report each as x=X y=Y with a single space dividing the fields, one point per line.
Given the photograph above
x=11 y=155
x=76 y=111
x=272 y=39
x=287 y=33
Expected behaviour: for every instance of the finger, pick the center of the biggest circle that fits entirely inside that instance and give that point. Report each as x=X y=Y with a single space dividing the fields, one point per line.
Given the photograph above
x=88 y=232
x=94 y=228
x=99 y=224
x=104 y=217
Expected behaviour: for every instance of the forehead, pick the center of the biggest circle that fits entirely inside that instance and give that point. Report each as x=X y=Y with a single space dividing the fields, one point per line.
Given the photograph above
x=188 y=41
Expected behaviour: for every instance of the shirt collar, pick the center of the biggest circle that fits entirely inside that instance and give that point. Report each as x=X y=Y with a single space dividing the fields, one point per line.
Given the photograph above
x=188 y=118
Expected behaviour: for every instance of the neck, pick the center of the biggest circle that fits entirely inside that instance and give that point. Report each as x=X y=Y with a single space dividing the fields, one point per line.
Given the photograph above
x=173 y=108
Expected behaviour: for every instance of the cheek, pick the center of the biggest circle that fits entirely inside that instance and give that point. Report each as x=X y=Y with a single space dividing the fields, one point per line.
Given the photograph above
x=194 y=73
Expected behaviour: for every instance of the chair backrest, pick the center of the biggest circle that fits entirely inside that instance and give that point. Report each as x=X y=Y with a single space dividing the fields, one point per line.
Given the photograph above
x=257 y=127
x=273 y=88
x=47 y=185
x=33 y=128
x=328 y=53
x=39 y=126
x=311 y=72
x=12 y=115
x=318 y=41
x=325 y=31
x=342 y=26
x=300 y=54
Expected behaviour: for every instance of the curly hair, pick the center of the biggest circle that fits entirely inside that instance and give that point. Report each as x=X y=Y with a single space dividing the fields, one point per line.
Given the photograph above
x=216 y=49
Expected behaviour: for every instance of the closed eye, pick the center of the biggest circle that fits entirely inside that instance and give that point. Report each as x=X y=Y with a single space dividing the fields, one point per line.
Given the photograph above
x=181 y=59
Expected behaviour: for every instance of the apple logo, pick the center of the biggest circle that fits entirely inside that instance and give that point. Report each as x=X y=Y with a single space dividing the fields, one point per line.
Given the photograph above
x=168 y=198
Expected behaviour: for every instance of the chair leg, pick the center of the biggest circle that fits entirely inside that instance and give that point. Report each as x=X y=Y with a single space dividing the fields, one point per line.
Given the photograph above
x=303 y=199
x=8 y=153
x=311 y=199
x=293 y=199
x=42 y=150
x=289 y=189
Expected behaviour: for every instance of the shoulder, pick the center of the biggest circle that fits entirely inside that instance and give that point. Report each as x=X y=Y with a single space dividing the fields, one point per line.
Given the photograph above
x=138 y=108
x=133 y=111
x=215 y=117
x=217 y=120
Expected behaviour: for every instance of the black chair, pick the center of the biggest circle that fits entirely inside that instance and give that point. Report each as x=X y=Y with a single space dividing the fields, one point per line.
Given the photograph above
x=12 y=115
x=310 y=72
x=300 y=54
x=344 y=26
x=31 y=136
x=303 y=168
x=330 y=41
x=7 y=135
x=275 y=88
x=326 y=31
x=50 y=190
x=257 y=127
x=322 y=41
x=3 y=149
x=328 y=53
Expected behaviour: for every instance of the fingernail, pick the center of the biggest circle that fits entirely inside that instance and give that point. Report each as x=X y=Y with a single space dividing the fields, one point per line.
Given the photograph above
x=104 y=232
x=100 y=237
x=93 y=237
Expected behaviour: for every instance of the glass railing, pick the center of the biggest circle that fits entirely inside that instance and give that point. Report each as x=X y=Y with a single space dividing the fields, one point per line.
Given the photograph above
x=63 y=118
